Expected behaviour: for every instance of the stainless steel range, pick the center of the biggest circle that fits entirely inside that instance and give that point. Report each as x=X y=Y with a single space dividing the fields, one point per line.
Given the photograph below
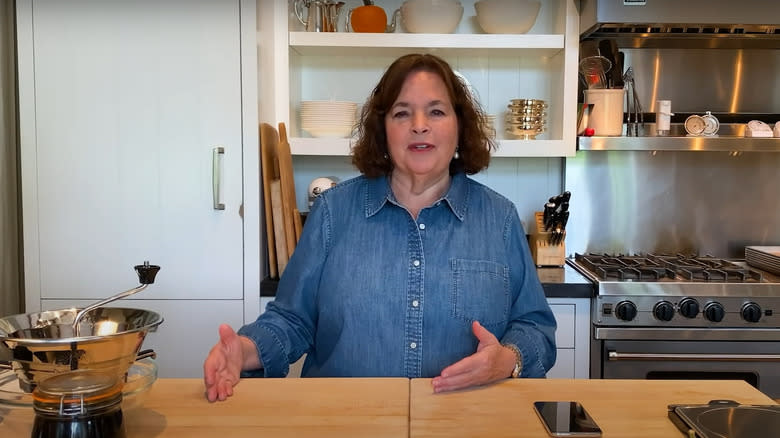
x=676 y=316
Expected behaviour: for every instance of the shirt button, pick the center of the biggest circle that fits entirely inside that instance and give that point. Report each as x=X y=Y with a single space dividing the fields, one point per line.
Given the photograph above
x=416 y=263
x=415 y=303
x=413 y=345
x=422 y=226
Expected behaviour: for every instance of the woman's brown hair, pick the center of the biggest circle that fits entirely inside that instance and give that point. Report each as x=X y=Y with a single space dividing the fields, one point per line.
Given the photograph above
x=369 y=154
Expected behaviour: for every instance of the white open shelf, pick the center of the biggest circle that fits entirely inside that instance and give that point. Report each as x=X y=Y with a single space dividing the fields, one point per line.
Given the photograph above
x=506 y=148
x=391 y=44
x=541 y=64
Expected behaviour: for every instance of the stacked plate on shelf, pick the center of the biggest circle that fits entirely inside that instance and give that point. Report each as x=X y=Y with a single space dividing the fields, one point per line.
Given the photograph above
x=764 y=257
x=526 y=118
x=328 y=118
x=489 y=125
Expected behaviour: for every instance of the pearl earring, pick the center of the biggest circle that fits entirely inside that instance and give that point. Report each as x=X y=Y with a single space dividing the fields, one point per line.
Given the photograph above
x=457 y=155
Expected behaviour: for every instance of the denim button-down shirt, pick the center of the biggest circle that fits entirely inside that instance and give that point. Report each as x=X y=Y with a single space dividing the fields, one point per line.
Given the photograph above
x=370 y=291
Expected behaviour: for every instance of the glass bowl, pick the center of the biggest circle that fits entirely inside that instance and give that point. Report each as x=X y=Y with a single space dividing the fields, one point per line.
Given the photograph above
x=140 y=377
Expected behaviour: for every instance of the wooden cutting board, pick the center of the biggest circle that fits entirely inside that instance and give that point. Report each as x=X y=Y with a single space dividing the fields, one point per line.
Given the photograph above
x=298 y=225
x=289 y=204
x=277 y=209
x=269 y=143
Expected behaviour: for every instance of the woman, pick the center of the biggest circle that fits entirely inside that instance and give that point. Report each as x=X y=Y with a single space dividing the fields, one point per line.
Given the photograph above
x=411 y=269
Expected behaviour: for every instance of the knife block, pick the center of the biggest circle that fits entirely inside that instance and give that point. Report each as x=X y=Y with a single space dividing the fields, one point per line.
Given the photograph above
x=543 y=252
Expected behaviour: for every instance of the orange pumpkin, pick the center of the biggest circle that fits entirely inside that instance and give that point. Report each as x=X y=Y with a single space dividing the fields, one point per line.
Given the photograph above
x=368 y=18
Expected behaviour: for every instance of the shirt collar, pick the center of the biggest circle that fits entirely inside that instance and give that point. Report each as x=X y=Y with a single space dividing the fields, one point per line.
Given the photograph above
x=378 y=193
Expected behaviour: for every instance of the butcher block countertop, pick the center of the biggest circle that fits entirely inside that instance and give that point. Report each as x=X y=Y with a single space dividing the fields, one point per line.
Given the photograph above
x=279 y=408
x=622 y=408
x=397 y=407
x=294 y=408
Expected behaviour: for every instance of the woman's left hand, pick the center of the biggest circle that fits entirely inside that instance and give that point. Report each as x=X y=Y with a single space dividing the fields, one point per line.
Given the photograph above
x=491 y=362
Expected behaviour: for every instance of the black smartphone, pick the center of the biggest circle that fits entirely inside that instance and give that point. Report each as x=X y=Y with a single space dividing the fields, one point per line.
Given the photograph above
x=566 y=419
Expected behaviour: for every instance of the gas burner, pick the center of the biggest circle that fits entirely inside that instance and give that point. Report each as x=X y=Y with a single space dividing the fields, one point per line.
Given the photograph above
x=625 y=268
x=652 y=267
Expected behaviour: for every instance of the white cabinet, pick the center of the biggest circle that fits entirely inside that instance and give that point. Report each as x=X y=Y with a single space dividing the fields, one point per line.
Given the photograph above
x=345 y=66
x=136 y=118
x=572 y=338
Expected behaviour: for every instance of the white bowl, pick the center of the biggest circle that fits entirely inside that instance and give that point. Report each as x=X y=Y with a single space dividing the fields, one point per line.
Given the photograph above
x=431 y=16
x=507 y=16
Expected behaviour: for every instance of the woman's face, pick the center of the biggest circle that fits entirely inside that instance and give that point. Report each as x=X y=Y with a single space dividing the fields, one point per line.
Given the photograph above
x=422 y=127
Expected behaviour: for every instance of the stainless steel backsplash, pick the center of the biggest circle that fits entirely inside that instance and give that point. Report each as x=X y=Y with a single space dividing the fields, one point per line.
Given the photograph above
x=688 y=202
x=698 y=80
x=702 y=203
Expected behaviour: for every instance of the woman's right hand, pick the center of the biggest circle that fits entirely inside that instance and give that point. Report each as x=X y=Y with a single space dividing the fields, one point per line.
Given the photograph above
x=222 y=368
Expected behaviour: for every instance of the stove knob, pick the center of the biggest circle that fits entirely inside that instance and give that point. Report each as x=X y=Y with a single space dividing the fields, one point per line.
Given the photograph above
x=751 y=312
x=714 y=311
x=625 y=310
x=689 y=307
x=663 y=310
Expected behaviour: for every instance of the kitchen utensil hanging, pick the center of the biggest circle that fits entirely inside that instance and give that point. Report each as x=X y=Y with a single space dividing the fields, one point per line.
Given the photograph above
x=633 y=106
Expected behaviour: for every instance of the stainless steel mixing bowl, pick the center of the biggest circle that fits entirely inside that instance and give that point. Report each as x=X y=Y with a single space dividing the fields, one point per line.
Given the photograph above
x=39 y=345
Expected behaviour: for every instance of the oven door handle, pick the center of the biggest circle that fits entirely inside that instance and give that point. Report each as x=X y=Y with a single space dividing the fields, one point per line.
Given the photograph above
x=614 y=355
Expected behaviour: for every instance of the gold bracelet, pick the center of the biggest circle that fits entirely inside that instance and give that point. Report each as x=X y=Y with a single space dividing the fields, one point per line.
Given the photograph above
x=518 y=359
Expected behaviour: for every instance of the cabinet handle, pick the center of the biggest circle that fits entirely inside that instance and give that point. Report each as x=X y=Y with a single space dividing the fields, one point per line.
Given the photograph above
x=614 y=355
x=216 y=176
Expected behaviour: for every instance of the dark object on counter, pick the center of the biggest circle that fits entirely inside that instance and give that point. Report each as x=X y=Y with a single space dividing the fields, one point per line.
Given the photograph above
x=721 y=418
x=80 y=404
x=268 y=287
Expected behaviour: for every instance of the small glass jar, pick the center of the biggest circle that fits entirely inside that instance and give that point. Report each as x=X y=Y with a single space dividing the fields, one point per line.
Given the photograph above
x=79 y=404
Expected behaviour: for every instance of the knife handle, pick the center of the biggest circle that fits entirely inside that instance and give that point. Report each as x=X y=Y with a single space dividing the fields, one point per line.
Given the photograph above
x=549 y=212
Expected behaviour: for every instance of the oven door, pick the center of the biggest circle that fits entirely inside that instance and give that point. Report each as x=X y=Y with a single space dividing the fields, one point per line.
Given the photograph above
x=756 y=362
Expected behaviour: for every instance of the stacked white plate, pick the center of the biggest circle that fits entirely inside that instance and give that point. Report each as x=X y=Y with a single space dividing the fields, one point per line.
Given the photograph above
x=764 y=257
x=490 y=125
x=328 y=118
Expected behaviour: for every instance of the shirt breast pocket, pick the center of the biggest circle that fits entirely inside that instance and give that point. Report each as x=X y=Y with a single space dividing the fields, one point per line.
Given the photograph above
x=480 y=291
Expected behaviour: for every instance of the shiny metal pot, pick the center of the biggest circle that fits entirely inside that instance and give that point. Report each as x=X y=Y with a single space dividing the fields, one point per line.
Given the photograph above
x=39 y=345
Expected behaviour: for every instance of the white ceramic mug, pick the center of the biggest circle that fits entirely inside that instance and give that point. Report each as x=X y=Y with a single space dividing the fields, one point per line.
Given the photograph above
x=606 y=118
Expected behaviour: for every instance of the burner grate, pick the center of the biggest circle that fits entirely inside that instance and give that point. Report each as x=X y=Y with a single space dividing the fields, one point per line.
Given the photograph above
x=652 y=267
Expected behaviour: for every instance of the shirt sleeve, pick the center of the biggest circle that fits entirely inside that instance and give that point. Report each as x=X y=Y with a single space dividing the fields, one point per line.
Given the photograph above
x=285 y=331
x=532 y=324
